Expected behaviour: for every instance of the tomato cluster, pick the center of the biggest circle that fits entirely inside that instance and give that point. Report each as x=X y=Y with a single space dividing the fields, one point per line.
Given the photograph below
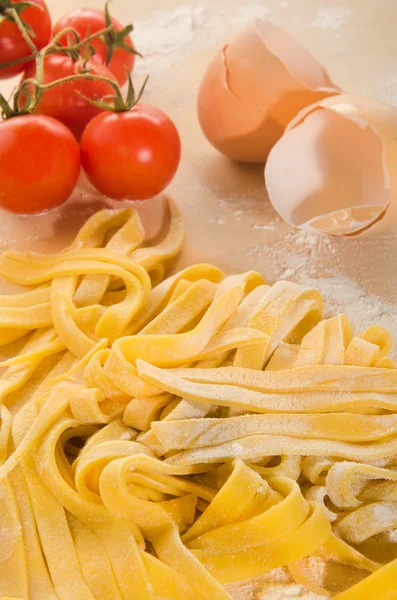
x=68 y=111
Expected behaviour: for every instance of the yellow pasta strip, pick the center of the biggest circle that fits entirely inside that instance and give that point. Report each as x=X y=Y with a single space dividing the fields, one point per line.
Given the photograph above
x=381 y=585
x=169 y=247
x=161 y=294
x=343 y=476
x=53 y=348
x=128 y=566
x=193 y=433
x=305 y=540
x=188 y=305
x=326 y=343
x=339 y=551
x=379 y=336
x=40 y=584
x=140 y=412
x=93 y=287
x=15 y=377
x=40 y=295
x=13 y=569
x=95 y=564
x=271 y=400
x=166 y=582
x=157 y=526
x=278 y=315
x=280 y=519
x=176 y=349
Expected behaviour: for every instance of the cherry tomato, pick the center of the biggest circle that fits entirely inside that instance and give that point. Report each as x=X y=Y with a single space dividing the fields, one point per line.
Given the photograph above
x=133 y=154
x=39 y=163
x=87 y=21
x=62 y=102
x=12 y=44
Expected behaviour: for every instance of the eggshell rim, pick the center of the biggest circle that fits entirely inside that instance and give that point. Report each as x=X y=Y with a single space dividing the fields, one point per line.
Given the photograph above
x=322 y=105
x=335 y=88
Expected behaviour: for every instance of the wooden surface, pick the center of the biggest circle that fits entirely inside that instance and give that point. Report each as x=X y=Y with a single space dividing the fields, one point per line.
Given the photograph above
x=355 y=39
x=228 y=217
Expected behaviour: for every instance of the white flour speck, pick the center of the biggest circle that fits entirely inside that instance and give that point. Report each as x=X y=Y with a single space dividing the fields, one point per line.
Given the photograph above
x=285 y=592
x=217 y=220
x=269 y=227
x=250 y=11
x=167 y=35
x=385 y=88
x=332 y=17
x=287 y=273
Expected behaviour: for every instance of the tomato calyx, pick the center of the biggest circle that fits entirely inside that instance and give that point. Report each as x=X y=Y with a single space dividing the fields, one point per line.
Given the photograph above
x=116 y=39
x=75 y=45
x=118 y=103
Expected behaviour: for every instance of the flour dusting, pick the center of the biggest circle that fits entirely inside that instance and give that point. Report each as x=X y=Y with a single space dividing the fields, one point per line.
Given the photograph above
x=332 y=17
x=298 y=255
x=385 y=87
x=285 y=592
x=248 y=12
x=168 y=35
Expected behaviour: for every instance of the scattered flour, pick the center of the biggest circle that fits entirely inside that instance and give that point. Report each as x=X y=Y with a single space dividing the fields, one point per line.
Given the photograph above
x=167 y=35
x=287 y=273
x=285 y=592
x=264 y=589
x=217 y=221
x=269 y=226
x=343 y=295
x=247 y=12
x=301 y=255
x=385 y=87
x=332 y=17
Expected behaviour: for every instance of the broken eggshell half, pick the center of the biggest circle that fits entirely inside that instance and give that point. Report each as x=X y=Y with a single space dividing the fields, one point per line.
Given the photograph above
x=254 y=87
x=335 y=169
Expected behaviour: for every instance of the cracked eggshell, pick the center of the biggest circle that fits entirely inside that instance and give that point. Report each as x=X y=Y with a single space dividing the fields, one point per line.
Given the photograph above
x=335 y=169
x=254 y=87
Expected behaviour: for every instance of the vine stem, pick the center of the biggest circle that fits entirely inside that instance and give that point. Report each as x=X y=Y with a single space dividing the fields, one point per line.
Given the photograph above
x=63 y=32
x=90 y=76
x=14 y=13
x=81 y=43
x=53 y=49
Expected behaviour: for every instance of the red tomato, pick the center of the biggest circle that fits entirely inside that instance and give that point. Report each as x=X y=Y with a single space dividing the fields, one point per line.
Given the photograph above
x=12 y=44
x=132 y=155
x=62 y=102
x=39 y=163
x=90 y=20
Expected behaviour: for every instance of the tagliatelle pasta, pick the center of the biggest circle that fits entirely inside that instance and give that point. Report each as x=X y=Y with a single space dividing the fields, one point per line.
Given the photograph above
x=162 y=438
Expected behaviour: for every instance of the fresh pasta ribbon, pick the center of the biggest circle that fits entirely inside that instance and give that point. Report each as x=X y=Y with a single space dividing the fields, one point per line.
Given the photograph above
x=165 y=437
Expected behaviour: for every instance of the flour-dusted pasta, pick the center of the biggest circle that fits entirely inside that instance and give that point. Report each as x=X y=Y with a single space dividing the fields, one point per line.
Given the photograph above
x=163 y=437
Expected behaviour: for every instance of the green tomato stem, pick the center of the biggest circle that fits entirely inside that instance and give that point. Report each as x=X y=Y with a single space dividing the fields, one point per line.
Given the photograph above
x=14 y=14
x=85 y=40
x=89 y=76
